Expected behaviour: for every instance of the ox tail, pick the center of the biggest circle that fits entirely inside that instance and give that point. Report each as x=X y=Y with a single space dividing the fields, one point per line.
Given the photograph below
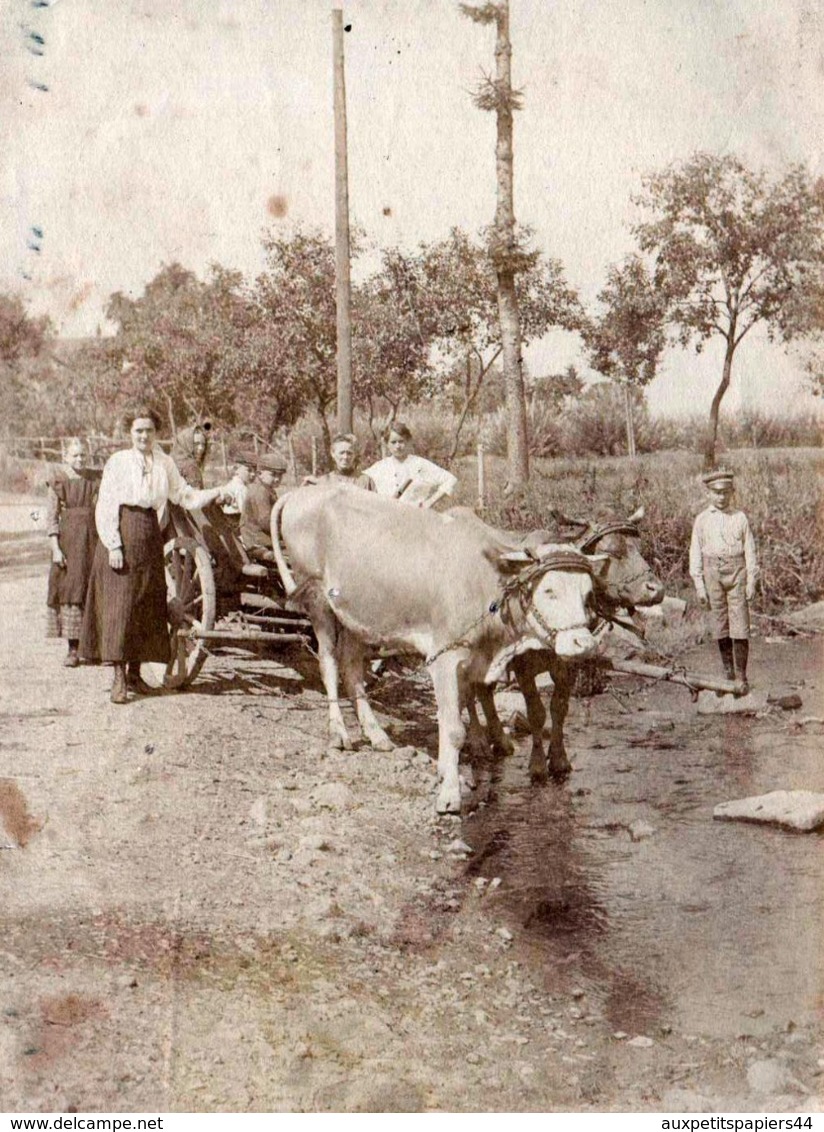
x=286 y=575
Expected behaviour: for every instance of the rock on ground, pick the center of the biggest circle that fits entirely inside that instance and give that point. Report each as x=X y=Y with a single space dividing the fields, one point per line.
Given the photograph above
x=802 y=810
x=710 y=704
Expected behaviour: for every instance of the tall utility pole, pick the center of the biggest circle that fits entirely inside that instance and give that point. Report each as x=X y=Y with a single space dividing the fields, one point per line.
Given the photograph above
x=342 y=254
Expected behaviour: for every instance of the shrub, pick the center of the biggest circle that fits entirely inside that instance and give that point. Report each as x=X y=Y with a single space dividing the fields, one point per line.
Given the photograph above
x=780 y=492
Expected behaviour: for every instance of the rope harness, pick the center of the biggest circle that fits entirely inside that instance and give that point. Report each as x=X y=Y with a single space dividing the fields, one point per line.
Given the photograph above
x=521 y=587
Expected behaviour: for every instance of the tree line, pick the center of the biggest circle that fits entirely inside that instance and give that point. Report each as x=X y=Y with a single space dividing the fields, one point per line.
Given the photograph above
x=719 y=249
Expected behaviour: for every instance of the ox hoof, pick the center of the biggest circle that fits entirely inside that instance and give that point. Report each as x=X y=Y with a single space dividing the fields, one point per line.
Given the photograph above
x=504 y=748
x=468 y=777
x=539 y=775
x=560 y=773
x=448 y=801
x=383 y=745
x=340 y=742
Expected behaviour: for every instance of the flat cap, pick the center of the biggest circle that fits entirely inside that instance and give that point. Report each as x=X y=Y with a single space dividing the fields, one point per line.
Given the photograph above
x=718 y=476
x=271 y=462
x=244 y=456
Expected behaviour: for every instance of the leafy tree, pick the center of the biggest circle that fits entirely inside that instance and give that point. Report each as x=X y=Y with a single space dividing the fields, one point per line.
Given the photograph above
x=392 y=337
x=24 y=366
x=201 y=349
x=459 y=307
x=732 y=249
x=627 y=339
x=21 y=335
x=557 y=391
x=297 y=294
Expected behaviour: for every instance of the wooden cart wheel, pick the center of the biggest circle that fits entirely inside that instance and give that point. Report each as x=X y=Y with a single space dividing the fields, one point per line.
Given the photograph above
x=190 y=593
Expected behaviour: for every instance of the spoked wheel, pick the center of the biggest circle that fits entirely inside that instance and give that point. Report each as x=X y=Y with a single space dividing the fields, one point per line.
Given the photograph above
x=190 y=594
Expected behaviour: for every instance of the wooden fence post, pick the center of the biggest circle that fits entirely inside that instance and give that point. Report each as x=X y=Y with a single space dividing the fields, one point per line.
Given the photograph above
x=293 y=464
x=314 y=455
x=223 y=456
x=256 y=443
x=481 y=479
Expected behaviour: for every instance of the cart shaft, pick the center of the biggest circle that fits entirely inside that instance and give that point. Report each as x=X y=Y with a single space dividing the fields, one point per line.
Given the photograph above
x=240 y=636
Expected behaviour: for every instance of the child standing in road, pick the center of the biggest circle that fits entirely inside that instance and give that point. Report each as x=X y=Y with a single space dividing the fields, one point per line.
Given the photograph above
x=724 y=570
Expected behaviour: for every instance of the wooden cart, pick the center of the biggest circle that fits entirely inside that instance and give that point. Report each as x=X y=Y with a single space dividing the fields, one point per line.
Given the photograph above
x=218 y=596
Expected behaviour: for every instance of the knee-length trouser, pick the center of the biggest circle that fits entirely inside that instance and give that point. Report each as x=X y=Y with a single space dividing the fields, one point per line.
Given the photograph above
x=725 y=578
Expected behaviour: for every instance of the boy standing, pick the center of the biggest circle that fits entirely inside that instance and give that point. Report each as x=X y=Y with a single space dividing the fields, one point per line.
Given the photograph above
x=724 y=570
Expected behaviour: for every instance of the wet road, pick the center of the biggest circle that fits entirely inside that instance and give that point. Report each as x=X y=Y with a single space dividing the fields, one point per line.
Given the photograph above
x=712 y=928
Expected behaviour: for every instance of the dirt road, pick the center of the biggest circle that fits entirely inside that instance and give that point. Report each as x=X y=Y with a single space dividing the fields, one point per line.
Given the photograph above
x=204 y=909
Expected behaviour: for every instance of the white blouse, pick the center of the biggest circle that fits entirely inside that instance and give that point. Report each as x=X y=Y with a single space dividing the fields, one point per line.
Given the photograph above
x=132 y=481
x=390 y=475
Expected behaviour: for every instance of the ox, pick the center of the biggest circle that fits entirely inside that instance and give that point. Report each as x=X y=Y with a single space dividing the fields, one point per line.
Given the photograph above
x=623 y=582
x=372 y=574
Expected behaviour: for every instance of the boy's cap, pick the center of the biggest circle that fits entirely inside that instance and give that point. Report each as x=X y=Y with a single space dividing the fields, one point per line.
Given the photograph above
x=718 y=477
x=247 y=458
x=271 y=462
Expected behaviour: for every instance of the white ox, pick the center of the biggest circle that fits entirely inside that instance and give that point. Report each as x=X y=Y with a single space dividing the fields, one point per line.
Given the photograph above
x=371 y=573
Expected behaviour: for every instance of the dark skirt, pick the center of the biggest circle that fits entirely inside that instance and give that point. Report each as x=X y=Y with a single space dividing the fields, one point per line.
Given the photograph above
x=78 y=540
x=125 y=616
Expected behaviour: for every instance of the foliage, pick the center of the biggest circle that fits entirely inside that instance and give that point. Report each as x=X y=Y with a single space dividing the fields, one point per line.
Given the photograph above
x=24 y=345
x=732 y=249
x=779 y=491
x=21 y=334
x=199 y=349
x=626 y=341
x=394 y=324
x=459 y=280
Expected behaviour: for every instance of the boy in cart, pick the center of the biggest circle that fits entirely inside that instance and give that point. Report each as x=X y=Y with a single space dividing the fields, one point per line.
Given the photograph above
x=724 y=571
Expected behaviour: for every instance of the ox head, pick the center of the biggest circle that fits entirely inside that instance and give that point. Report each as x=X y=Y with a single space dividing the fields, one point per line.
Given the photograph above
x=625 y=578
x=554 y=587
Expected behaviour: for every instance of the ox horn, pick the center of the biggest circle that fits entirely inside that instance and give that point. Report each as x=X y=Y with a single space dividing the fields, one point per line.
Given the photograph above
x=636 y=516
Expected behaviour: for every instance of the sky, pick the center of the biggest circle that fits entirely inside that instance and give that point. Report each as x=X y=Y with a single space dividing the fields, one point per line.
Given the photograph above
x=179 y=130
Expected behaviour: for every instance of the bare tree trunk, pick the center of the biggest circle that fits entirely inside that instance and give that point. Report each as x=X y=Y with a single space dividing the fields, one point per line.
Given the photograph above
x=517 y=442
x=715 y=407
x=470 y=397
x=629 y=418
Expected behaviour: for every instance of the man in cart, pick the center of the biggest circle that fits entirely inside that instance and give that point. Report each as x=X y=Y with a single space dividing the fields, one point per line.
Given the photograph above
x=256 y=513
x=345 y=471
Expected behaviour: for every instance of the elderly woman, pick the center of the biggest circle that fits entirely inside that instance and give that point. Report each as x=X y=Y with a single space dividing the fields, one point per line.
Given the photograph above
x=189 y=452
x=70 y=516
x=125 y=620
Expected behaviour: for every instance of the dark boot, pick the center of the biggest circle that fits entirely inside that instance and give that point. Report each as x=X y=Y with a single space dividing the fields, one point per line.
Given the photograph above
x=741 y=653
x=725 y=648
x=135 y=682
x=119 y=694
x=72 y=659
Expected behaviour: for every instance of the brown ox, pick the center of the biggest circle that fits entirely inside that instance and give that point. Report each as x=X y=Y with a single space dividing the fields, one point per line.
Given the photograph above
x=624 y=580
x=370 y=573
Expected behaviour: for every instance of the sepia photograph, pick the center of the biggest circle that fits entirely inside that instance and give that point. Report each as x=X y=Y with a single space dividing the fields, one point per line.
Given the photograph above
x=411 y=557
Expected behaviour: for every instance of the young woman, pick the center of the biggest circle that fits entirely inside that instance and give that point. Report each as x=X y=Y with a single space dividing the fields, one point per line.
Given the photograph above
x=125 y=619
x=72 y=496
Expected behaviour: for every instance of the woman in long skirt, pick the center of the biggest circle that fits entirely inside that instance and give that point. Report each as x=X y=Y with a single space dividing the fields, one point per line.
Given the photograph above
x=71 y=530
x=125 y=620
